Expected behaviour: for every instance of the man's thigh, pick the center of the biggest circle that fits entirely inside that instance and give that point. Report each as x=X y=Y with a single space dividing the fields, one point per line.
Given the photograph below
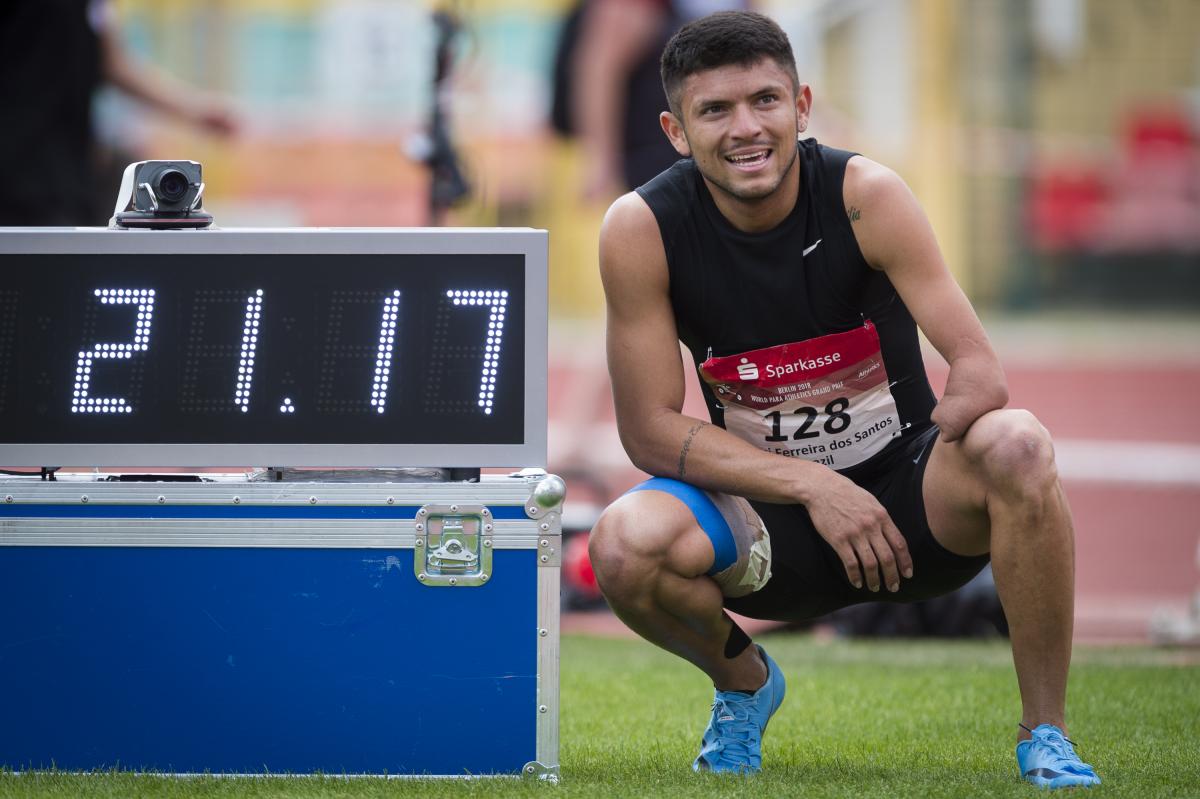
x=808 y=579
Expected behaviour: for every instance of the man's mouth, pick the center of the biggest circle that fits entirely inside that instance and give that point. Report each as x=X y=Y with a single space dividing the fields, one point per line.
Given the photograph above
x=749 y=159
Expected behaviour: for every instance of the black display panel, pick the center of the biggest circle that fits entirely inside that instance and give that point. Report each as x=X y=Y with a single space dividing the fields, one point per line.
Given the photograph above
x=262 y=349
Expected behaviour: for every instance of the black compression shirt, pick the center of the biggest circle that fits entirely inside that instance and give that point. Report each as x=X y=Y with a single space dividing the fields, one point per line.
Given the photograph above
x=734 y=292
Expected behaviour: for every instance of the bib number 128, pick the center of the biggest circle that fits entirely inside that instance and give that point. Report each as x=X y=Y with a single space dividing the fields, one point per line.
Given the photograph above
x=836 y=421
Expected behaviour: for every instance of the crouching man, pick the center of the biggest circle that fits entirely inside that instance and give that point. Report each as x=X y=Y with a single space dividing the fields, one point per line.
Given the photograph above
x=797 y=275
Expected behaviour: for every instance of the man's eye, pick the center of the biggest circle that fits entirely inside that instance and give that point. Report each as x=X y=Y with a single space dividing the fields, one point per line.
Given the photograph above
x=768 y=98
x=710 y=109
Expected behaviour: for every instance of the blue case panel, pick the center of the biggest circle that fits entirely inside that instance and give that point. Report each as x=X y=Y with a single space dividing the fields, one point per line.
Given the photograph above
x=251 y=660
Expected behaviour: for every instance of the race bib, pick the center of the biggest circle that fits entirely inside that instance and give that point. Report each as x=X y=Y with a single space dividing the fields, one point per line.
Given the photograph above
x=826 y=400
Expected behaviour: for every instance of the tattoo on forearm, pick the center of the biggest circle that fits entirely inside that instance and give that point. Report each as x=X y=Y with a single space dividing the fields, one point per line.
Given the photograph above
x=687 y=445
x=854 y=213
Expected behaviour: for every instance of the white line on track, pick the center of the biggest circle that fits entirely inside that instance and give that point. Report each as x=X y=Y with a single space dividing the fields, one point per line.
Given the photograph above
x=1153 y=463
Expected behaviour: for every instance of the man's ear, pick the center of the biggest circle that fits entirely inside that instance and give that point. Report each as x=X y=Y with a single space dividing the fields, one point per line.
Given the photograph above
x=674 y=130
x=803 y=107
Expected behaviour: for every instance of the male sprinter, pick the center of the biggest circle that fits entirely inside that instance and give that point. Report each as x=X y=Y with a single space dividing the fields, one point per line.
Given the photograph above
x=794 y=273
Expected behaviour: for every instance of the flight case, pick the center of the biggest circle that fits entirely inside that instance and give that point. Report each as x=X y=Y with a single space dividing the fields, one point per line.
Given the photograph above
x=342 y=615
x=250 y=626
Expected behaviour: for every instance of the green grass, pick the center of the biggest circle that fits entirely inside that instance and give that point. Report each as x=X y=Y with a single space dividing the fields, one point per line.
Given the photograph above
x=925 y=719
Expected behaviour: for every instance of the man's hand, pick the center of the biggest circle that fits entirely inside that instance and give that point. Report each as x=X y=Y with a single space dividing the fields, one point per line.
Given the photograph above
x=860 y=532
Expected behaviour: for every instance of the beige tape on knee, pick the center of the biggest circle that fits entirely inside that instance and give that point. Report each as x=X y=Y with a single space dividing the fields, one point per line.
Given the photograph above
x=752 y=568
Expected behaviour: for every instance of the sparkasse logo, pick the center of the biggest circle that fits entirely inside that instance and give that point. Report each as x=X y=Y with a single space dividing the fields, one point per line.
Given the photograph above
x=747 y=370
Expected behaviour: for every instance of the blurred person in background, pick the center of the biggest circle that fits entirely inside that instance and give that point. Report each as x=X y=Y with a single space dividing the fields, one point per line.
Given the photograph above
x=607 y=87
x=56 y=54
x=797 y=275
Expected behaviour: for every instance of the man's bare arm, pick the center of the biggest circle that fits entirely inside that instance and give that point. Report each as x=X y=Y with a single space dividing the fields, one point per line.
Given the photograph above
x=648 y=389
x=648 y=379
x=895 y=236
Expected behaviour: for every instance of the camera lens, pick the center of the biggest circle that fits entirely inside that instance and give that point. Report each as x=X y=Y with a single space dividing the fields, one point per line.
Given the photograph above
x=172 y=186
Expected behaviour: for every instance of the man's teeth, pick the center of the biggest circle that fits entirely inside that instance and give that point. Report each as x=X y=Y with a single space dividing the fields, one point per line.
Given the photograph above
x=748 y=158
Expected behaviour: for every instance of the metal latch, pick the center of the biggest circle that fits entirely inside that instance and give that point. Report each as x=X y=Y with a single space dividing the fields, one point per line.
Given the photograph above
x=453 y=545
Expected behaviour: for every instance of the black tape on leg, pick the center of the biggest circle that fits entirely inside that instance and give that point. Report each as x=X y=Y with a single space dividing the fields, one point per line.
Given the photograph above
x=737 y=642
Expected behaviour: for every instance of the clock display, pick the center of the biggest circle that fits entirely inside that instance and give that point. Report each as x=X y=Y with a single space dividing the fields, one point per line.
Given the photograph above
x=365 y=349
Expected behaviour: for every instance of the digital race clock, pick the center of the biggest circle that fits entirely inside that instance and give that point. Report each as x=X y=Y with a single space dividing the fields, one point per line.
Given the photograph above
x=310 y=347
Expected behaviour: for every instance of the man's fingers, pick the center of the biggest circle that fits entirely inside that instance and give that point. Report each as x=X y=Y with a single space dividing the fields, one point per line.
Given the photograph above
x=887 y=562
x=870 y=564
x=899 y=546
x=850 y=564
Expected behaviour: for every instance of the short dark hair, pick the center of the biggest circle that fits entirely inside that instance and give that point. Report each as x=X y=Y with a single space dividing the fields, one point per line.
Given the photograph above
x=727 y=37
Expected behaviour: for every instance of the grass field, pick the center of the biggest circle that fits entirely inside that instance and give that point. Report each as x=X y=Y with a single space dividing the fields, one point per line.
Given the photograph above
x=923 y=719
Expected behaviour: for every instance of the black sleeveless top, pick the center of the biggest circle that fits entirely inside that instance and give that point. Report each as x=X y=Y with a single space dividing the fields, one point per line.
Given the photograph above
x=733 y=292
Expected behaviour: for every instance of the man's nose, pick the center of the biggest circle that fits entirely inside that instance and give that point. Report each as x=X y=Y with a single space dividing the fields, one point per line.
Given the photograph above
x=746 y=124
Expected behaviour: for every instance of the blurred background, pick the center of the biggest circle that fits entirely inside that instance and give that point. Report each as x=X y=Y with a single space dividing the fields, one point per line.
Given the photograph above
x=1055 y=144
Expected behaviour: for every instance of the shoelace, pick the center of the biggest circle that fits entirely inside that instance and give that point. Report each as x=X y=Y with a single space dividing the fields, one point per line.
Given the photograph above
x=1062 y=748
x=1060 y=745
x=737 y=733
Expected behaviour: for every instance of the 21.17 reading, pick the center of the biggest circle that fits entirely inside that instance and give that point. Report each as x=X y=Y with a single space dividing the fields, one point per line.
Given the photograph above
x=256 y=305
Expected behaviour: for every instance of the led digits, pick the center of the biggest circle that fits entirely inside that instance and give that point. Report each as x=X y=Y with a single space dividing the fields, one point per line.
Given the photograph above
x=383 y=356
x=496 y=302
x=81 y=401
x=241 y=395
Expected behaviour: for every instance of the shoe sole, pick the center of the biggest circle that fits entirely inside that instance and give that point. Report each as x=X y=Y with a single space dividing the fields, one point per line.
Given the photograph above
x=1063 y=781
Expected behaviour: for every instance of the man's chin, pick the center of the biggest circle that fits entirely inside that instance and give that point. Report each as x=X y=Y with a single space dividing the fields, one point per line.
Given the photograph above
x=749 y=191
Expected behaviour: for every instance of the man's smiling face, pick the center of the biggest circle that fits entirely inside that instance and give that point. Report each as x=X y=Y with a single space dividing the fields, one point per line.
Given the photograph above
x=739 y=124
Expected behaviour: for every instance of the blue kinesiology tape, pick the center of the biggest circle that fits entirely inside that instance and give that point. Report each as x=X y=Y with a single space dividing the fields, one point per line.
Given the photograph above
x=710 y=519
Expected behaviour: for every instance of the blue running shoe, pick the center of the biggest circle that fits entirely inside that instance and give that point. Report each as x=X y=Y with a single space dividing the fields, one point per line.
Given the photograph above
x=733 y=740
x=1048 y=760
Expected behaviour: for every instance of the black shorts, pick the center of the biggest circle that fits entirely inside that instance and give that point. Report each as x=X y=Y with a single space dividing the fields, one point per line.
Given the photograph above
x=807 y=576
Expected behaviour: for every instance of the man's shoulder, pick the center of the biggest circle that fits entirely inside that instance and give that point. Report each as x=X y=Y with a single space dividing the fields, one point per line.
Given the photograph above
x=881 y=209
x=633 y=261
x=629 y=215
x=856 y=171
x=673 y=189
x=867 y=178
x=631 y=241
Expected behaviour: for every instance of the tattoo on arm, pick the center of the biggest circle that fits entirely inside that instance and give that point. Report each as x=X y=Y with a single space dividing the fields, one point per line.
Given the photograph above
x=687 y=445
x=854 y=213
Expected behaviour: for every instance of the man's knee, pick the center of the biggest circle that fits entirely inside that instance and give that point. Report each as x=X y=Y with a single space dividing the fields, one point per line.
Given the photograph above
x=1012 y=451
x=609 y=544
x=635 y=537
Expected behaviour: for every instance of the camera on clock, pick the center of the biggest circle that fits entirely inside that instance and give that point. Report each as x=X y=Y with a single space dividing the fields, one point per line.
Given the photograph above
x=161 y=195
